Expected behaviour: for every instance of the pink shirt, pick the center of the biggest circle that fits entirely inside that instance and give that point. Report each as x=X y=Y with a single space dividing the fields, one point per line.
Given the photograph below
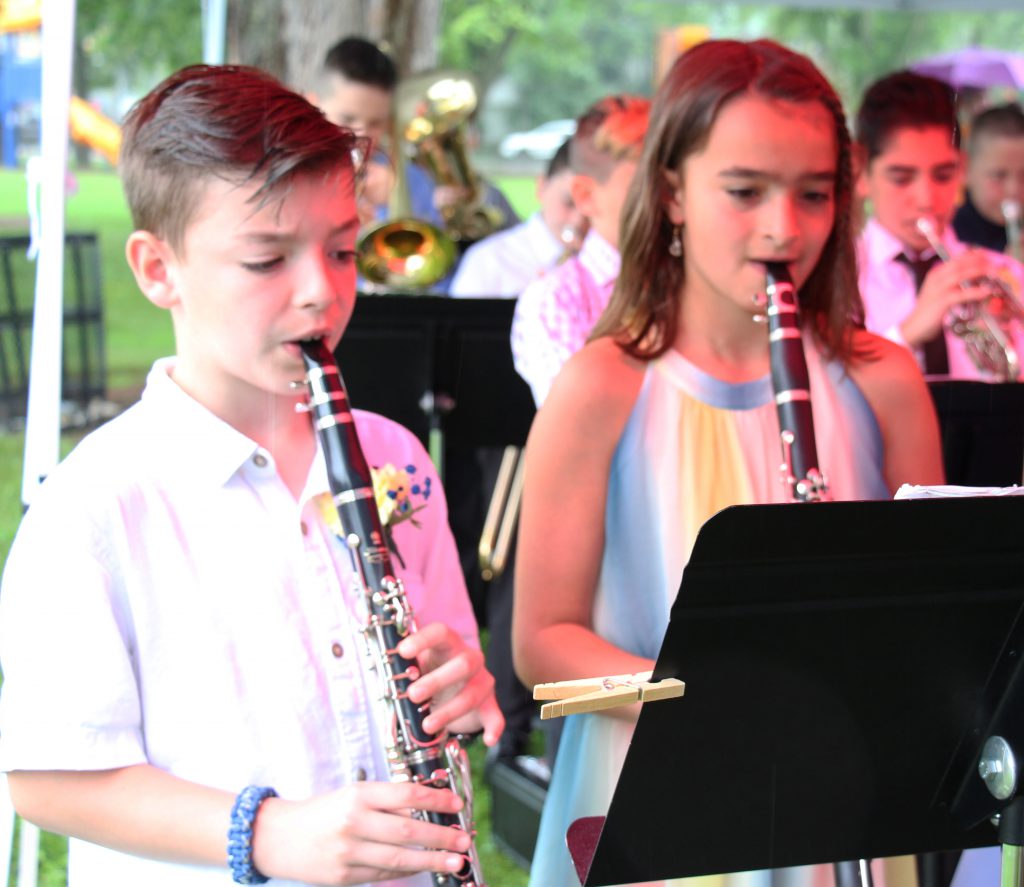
x=554 y=315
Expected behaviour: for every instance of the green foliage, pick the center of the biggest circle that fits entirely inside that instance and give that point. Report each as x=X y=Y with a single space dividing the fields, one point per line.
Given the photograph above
x=562 y=56
x=557 y=58
x=475 y=34
x=118 y=36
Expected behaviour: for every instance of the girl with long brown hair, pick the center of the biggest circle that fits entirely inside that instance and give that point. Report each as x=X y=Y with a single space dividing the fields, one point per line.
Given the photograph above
x=667 y=415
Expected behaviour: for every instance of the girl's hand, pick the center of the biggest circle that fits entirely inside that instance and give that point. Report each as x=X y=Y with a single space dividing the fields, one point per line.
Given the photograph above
x=454 y=680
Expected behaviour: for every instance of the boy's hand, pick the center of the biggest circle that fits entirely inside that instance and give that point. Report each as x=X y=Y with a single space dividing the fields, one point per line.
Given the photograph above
x=447 y=197
x=460 y=689
x=363 y=832
x=945 y=286
x=377 y=183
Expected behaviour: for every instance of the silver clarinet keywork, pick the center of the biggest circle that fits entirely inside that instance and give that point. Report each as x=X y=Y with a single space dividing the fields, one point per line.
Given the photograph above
x=791 y=386
x=983 y=332
x=413 y=754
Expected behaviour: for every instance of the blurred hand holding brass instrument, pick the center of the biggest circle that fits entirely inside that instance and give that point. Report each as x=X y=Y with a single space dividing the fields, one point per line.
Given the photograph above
x=982 y=325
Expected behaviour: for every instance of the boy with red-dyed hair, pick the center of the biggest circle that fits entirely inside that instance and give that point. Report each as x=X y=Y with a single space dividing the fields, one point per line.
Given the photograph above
x=180 y=633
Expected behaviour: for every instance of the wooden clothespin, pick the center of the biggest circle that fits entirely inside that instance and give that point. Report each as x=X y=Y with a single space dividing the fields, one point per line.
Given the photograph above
x=594 y=694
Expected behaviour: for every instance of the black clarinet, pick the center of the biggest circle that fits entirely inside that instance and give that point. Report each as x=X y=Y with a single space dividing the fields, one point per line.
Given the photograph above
x=413 y=754
x=791 y=385
x=800 y=471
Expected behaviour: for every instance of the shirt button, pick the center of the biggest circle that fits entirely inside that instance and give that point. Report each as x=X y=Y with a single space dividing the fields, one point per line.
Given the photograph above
x=259 y=460
x=359 y=774
x=337 y=650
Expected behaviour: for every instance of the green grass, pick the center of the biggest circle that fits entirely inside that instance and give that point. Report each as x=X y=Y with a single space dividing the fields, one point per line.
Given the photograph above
x=136 y=334
x=521 y=192
x=136 y=331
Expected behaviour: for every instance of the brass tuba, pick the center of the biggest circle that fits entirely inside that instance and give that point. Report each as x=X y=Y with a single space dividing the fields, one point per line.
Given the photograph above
x=404 y=253
x=432 y=112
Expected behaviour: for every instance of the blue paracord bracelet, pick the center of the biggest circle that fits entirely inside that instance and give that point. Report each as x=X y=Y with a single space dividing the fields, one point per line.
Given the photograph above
x=243 y=814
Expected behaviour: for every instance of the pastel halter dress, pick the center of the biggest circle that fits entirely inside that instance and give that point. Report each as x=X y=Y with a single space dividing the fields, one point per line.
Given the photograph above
x=692 y=446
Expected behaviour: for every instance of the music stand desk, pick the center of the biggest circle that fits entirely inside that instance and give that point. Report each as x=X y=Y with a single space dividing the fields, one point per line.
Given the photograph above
x=434 y=363
x=982 y=427
x=838 y=660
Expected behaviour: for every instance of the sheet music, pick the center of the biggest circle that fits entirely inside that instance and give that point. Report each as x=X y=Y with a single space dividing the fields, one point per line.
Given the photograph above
x=913 y=491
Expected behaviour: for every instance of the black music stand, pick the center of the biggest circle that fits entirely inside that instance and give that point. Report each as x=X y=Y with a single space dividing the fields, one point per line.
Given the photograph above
x=440 y=366
x=982 y=426
x=843 y=664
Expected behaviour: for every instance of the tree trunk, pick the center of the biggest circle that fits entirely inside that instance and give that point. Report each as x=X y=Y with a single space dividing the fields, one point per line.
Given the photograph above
x=405 y=29
x=289 y=38
x=410 y=29
x=254 y=35
x=310 y=28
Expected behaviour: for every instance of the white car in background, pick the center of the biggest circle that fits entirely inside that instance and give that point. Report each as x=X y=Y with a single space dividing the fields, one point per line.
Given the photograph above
x=540 y=143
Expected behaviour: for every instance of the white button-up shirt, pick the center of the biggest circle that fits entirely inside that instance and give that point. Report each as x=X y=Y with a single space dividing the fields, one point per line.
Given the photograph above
x=889 y=294
x=168 y=601
x=505 y=263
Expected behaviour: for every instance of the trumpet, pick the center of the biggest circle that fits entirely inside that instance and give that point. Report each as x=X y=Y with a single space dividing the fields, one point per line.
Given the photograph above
x=1011 y=210
x=982 y=330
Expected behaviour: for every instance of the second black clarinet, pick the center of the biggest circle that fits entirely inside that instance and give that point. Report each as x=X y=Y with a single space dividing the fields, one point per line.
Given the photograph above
x=791 y=386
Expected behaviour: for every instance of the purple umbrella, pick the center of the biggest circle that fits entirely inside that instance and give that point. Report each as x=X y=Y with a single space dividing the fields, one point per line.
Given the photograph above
x=975 y=67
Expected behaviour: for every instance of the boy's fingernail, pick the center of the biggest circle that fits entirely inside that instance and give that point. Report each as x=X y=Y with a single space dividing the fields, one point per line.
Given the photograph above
x=453 y=863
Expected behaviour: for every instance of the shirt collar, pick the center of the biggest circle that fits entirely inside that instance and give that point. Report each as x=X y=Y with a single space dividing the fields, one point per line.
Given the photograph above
x=600 y=258
x=882 y=246
x=543 y=243
x=200 y=444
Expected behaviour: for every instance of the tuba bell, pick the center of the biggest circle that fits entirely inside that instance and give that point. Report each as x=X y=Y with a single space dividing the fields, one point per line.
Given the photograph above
x=403 y=253
x=433 y=110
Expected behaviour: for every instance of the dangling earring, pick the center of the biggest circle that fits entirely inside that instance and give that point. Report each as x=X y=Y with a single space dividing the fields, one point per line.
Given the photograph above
x=675 y=246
